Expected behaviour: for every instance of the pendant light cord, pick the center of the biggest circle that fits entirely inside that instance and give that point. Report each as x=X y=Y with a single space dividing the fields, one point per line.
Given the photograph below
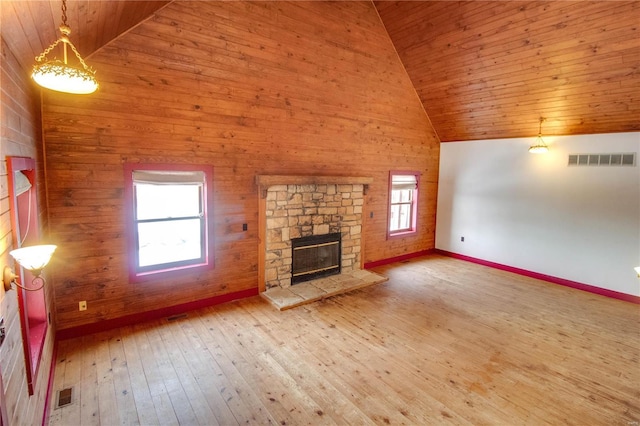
x=64 y=13
x=65 y=30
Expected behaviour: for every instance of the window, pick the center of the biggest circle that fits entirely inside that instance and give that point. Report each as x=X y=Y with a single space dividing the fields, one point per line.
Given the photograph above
x=169 y=207
x=403 y=203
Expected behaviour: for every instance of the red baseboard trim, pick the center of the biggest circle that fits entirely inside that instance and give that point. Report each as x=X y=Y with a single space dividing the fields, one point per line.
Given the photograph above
x=549 y=278
x=382 y=262
x=83 y=330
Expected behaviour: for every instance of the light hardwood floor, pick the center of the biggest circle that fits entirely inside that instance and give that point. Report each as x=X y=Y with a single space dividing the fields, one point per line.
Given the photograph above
x=442 y=342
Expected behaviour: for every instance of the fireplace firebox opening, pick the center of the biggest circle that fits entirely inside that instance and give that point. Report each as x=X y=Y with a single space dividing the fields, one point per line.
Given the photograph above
x=315 y=256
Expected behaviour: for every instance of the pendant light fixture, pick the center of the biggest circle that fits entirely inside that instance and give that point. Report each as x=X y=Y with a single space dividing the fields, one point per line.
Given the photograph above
x=59 y=75
x=539 y=147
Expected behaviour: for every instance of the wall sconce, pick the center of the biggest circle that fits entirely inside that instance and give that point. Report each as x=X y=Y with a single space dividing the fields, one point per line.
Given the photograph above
x=34 y=259
x=637 y=268
x=539 y=147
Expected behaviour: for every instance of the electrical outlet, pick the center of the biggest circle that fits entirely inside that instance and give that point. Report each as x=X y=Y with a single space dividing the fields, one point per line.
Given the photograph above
x=82 y=305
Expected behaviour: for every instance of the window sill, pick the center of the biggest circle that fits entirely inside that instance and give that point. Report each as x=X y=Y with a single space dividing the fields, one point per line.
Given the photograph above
x=178 y=271
x=401 y=234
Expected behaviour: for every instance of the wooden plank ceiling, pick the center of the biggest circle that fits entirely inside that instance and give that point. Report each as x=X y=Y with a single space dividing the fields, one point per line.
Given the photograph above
x=483 y=69
x=491 y=69
x=29 y=27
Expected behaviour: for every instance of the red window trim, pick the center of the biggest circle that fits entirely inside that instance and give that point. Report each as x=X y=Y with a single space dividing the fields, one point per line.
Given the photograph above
x=414 y=219
x=135 y=275
x=34 y=316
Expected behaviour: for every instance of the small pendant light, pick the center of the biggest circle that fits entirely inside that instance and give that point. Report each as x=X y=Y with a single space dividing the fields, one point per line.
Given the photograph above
x=539 y=147
x=59 y=75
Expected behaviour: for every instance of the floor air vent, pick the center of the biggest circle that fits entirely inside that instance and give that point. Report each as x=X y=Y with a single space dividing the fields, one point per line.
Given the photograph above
x=612 y=159
x=177 y=317
x=64 y=397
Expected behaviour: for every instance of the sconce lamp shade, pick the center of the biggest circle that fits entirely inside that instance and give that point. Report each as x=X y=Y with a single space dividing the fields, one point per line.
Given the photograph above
x=637 y=268
x=34 y=258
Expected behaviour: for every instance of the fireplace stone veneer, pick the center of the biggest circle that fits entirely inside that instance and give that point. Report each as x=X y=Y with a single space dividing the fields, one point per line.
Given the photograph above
x=301 y=206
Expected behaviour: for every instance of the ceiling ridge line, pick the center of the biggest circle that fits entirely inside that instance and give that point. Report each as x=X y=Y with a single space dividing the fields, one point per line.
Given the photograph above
x=134 y=26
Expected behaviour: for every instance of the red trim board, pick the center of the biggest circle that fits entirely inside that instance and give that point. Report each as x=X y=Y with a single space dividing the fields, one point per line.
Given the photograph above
x=49 y=394
x=110 y=324
x=549 y=278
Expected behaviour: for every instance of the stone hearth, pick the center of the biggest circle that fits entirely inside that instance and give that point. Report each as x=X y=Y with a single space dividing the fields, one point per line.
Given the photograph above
x=311 y=291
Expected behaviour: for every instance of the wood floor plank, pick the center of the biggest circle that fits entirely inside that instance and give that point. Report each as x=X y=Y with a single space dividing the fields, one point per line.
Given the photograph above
x=399 y=385
x=159 y=394
x=107 y=399
x=72 y=375
x=354 y=352
x=139 y=386
x=348 y=400
x=208 y=374
x=402 y=360
x=65 y=353
x=240 y=397
x=88 y=387
x=442 y=342
x=179 y=357
x=127 y=406
x=279 y=392
x=307 y=375
x=180 y=400
x=292 y=378
x=204 y=374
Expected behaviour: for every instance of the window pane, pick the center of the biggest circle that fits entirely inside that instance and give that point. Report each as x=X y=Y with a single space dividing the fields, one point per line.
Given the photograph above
x=405 y=216
x=167 y=201
x=169 y=241
x=402 y=205
x=394 y=223
x=401 y=196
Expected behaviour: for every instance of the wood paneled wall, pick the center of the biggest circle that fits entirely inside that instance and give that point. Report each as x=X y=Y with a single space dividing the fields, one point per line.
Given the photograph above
x=20 y=136
x=311 y=88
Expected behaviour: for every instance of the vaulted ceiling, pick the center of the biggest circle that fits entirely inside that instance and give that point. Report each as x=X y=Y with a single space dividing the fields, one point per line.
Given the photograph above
x=482 y=69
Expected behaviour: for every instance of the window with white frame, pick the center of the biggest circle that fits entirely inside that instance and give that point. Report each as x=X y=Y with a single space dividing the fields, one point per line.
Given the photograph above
x=403 y=202
x=169 y=211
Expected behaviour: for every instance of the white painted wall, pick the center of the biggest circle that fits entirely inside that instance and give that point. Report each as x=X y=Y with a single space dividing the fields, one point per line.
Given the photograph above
x=534 y=212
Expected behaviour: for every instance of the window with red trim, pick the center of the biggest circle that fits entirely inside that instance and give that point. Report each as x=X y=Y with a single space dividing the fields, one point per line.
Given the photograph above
x=168 y=208
x=403 y=203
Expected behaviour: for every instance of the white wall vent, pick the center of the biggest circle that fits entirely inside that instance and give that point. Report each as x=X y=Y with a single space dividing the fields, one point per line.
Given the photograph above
x=612 y=159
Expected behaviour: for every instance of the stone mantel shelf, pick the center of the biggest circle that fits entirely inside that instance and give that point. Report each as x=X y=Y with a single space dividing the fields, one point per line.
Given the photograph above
x=265 y=181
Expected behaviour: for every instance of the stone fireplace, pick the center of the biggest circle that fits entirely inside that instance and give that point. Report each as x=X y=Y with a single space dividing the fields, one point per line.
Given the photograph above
x=295 y=207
